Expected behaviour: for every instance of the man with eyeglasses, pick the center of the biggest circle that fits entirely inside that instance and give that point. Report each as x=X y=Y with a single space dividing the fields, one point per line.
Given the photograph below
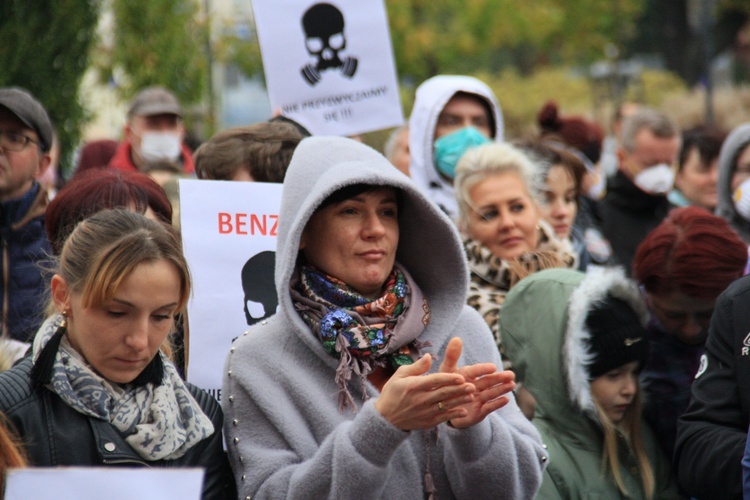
x=25 y=142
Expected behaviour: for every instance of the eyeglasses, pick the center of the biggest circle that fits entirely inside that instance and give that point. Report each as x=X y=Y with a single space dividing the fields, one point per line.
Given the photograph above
x=13 y=141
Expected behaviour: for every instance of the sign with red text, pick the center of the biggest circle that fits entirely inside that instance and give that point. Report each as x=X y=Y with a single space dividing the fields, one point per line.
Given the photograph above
x=229 y=237
x=329 y=65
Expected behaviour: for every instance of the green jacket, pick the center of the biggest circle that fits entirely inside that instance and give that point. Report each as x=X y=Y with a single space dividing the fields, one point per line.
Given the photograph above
x=543 y=327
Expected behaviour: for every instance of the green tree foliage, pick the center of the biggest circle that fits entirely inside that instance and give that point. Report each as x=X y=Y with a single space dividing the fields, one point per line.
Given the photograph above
x=242 y=51
x=158 y=42
x=44 y=47
x=464 y=36
x=675 y=31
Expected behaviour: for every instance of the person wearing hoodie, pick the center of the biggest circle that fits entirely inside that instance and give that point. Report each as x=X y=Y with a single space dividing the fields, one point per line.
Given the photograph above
x=734 y=181
x=451 y=114
x=580 y=360
x=342 y=392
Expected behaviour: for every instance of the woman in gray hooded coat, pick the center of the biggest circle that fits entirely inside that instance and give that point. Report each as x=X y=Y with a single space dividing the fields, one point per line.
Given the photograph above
x=342 y=392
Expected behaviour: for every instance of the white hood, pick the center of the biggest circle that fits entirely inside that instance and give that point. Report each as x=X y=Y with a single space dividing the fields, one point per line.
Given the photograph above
x=431 y=98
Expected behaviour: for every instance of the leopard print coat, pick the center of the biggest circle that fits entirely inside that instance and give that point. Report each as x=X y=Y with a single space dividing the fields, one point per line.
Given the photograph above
x=492 y=277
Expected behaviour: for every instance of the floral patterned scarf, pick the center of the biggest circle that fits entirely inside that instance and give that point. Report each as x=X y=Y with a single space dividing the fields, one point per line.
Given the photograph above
x=362 y=333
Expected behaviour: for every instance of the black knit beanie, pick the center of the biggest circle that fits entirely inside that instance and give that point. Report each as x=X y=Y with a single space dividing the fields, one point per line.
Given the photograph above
x=617 y=337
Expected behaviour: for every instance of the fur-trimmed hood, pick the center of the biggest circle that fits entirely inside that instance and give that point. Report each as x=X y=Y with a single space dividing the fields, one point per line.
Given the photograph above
x=431 y=98
x=544 y=332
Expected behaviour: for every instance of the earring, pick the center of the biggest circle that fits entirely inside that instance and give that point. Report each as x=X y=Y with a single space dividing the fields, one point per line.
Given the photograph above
x=64 y=322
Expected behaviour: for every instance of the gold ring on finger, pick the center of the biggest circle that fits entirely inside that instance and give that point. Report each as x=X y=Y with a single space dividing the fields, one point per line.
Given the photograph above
x=441 y=407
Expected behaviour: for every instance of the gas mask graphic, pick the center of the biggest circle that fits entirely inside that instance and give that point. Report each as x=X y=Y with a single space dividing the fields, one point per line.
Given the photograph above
x=323 y=25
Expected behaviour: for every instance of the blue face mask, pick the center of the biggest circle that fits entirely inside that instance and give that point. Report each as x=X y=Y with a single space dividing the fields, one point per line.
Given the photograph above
x=450 y=148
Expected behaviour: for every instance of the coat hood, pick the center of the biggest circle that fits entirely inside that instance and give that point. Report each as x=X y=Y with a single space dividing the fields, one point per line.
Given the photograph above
x=557 y=339
x=431 y=98
x=429 y=246
x=737 y=139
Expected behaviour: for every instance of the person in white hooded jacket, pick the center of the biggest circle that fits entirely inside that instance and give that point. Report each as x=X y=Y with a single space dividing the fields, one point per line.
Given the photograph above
x=462 y=110
x=339 y=395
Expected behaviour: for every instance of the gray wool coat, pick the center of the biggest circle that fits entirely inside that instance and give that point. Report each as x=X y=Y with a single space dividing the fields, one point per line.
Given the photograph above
x=285 y=435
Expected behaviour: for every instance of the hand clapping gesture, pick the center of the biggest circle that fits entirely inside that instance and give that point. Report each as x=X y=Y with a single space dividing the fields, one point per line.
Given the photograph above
x=412 y=400
x=490 y=386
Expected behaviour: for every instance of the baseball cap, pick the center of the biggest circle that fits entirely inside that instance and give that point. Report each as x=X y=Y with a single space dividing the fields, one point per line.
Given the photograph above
x=154 y=101
x=30 y=112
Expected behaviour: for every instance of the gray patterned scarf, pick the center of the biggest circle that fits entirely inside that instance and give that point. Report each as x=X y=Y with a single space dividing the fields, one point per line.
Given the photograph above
x=159 y=423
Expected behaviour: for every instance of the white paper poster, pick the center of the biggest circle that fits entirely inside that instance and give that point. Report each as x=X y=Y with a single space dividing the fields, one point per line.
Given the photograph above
x=229 y=238
x=329 y=66
x=112 y=483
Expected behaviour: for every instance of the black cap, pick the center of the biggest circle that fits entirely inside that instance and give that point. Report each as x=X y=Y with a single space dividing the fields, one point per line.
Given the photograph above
x=30 y=112
x=617 y=337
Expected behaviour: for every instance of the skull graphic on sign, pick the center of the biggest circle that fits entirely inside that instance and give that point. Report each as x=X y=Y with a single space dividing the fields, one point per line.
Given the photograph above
x=323 y=25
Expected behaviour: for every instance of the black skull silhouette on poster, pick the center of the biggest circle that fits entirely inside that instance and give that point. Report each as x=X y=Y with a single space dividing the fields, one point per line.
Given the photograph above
x=258 y=286
x=323 y=25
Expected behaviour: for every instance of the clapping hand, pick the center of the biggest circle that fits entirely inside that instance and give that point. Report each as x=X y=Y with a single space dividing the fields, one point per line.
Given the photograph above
x=490 y=386
x=412 y=400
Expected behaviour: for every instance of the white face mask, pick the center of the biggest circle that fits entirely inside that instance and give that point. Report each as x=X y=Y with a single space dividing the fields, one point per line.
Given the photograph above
x=655 y=180
x=156 y=146
x=742 y=199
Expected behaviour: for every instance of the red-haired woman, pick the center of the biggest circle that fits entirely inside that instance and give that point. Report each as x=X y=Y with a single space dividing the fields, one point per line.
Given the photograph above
x=91 y=191
x=682 y=265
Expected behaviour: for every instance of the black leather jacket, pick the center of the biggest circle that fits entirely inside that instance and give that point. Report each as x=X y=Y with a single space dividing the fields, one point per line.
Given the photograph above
x=53 y=434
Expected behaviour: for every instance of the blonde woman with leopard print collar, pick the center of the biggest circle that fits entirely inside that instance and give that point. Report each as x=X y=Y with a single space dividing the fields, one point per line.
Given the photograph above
x=499 y=188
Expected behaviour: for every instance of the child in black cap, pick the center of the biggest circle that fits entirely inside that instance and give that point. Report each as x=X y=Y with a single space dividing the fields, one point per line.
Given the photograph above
x=578 y=344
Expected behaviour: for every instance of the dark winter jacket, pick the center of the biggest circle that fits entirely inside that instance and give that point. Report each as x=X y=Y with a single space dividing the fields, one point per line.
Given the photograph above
x=54 y=434
x=23 y=247
x=666 y=381
x=711 y=433
x=627 y=215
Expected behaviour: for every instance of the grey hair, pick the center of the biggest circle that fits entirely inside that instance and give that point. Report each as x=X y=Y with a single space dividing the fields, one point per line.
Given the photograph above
x=492 y=159
x=658 y=123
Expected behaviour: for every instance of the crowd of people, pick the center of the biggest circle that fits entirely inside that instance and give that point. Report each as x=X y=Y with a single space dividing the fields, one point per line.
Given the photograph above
x=464 y=315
